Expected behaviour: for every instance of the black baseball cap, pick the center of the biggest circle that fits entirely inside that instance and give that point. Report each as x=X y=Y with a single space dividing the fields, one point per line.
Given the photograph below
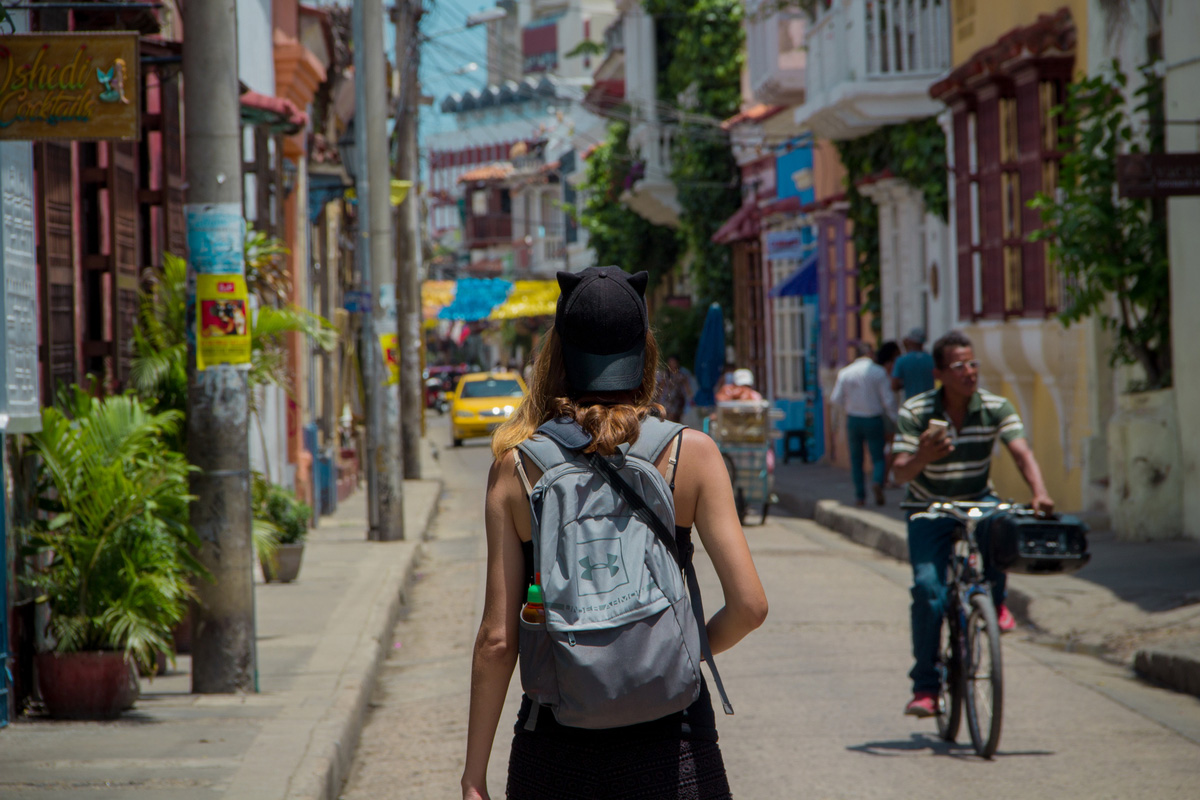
x=601 y=320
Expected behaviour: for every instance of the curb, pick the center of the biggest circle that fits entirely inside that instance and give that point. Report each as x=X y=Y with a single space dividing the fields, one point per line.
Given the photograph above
x=1170 y=669
x=325 y=767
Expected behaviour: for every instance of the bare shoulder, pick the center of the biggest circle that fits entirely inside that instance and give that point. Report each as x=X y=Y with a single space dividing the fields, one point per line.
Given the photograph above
x=699 y=455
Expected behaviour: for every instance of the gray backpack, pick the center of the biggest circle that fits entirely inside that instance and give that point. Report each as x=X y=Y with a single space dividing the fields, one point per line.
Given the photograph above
x=624 y=632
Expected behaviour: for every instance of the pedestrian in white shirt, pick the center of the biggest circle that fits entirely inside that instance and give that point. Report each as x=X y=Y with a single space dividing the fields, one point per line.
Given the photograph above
x=864 y=393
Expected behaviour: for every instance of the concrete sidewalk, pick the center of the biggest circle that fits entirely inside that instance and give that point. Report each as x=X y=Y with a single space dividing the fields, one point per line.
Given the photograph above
x=1135 y=603
x=321 y=640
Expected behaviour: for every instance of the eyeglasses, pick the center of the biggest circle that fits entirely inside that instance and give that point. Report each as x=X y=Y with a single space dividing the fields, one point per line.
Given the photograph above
x=959 y=366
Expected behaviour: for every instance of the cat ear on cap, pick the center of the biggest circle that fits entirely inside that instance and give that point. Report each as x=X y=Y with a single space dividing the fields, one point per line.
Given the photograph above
x=639 y=280
x=567 y=281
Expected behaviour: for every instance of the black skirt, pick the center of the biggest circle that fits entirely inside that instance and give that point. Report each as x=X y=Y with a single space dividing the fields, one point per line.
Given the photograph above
x=552 y=768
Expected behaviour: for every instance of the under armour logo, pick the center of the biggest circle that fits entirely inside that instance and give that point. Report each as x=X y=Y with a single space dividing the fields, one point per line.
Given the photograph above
x=588 y=566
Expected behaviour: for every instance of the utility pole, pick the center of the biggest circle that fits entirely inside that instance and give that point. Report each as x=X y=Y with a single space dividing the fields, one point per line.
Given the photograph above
x=223 y=634
x=408 y=233
x=385 y=479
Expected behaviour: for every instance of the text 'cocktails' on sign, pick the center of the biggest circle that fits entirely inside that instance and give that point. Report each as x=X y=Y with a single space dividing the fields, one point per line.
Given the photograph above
x=80 y=86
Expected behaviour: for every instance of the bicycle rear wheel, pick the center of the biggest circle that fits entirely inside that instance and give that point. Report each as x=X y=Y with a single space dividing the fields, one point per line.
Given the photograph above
x=984 y=676
x=950 y=695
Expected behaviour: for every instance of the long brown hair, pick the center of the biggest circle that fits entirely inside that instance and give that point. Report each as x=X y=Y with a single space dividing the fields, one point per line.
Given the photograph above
x=610 y=423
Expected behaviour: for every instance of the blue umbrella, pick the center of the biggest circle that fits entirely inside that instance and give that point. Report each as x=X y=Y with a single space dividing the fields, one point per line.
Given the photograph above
x=710 y=356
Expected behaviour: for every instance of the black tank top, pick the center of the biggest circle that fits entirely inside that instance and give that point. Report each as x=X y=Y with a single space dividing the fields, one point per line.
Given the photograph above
x=697 y=722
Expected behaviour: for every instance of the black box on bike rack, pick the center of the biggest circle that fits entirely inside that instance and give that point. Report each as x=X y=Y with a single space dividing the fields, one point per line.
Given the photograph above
x=1033 y=545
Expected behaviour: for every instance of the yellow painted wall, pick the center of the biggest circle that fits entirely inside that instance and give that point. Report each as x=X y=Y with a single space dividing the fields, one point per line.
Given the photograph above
x=979 y=23
x=1057 y=445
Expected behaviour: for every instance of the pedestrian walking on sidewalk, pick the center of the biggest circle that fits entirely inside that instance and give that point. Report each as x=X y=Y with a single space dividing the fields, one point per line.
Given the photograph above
x=954 y=463
x=913 y=372
x=596 y=367
x=864 y=394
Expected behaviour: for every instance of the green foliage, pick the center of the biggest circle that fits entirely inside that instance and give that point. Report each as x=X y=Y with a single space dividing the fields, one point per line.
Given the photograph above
x=617 y=234
x=677 y=331
x=1111 y=249
x=278 y=509
x=158 y=371
x=586 y=47
x=912 y=151
x=114 y=526
x=700 y=59
x=267 y=276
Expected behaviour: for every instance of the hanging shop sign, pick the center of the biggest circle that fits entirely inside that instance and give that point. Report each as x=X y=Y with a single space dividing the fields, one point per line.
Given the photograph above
x=79 y=86
x=19 y=394
x=1158 y=174
x=222 y=319
x=782 y=245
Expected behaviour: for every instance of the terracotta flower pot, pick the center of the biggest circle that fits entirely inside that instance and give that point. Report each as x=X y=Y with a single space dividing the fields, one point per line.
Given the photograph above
x=286 y=564
x=87 y=685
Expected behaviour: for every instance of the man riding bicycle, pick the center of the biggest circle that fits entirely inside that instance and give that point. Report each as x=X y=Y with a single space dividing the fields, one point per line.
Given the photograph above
x=940 y=461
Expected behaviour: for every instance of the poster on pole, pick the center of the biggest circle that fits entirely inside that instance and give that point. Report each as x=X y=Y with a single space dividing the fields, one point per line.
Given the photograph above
x=216 y=237
x=222 y=319
x=390 y=343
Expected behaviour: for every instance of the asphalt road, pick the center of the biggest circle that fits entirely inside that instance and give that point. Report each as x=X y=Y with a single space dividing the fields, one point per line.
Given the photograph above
x=818 y=689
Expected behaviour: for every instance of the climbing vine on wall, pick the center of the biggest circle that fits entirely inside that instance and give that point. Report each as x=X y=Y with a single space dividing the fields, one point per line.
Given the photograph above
x=914 y=152
x=617 y=234
x=700 y=58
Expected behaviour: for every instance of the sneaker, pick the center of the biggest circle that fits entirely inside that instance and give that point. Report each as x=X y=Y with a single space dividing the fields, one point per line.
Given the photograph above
x=1005 y=620
x=880 y=499
x=923 y=704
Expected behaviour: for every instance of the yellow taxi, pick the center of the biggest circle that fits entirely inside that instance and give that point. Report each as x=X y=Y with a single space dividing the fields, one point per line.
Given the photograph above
x=481 y=401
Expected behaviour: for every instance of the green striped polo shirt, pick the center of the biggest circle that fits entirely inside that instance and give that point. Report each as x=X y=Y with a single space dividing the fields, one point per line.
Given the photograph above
x=963 y=474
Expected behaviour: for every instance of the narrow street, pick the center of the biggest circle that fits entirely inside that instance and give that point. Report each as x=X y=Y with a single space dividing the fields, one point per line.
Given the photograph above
x=818 y=689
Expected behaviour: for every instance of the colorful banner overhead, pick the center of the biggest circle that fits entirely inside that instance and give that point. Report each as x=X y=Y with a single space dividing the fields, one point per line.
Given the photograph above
x=475 y=298
x=80 y=86
x=528 y=299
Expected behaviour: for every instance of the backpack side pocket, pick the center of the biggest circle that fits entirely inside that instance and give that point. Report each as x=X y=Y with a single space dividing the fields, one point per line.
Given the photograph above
x=538 y=675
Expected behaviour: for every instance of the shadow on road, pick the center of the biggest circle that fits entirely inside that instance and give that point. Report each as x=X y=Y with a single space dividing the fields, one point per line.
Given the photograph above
x=920 y=742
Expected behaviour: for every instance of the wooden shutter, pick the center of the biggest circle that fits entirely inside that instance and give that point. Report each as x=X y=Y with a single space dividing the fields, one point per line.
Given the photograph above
x=123 y=218
x=56 y=266
x=987 y=134
x=1029 y=166
x=174 y=221
x=962 y=209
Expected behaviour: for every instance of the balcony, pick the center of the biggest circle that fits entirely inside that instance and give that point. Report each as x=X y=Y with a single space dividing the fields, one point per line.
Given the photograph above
x=488 y=230
x=648 y=187
x=775 y=52
x=870 y=64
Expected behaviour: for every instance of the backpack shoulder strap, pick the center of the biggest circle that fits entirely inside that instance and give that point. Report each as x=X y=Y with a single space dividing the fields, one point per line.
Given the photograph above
x=545 y=452
x=656 y=434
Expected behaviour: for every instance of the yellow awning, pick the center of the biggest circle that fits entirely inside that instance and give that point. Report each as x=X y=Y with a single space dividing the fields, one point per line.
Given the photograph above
x=436 y=295
x=528 y=299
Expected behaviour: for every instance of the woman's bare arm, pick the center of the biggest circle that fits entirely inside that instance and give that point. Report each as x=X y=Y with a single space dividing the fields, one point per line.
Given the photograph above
x=703 y=486
x=496 y=644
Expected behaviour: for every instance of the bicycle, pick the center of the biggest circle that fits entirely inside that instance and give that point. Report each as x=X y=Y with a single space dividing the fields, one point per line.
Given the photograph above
x=969 y=660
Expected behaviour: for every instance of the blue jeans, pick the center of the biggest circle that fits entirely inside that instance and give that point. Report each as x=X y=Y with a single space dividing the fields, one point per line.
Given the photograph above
x=868 y=431
x=930 y=544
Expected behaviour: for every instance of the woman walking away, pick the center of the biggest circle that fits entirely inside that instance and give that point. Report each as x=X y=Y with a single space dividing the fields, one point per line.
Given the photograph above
x=589 y=423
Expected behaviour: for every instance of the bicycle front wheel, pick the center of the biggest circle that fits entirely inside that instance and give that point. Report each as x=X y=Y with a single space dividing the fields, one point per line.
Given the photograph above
x=984 y=676
x=950 y=695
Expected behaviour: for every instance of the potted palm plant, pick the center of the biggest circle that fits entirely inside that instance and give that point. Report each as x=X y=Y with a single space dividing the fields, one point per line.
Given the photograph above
x=285 y=519
x=112 y=549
